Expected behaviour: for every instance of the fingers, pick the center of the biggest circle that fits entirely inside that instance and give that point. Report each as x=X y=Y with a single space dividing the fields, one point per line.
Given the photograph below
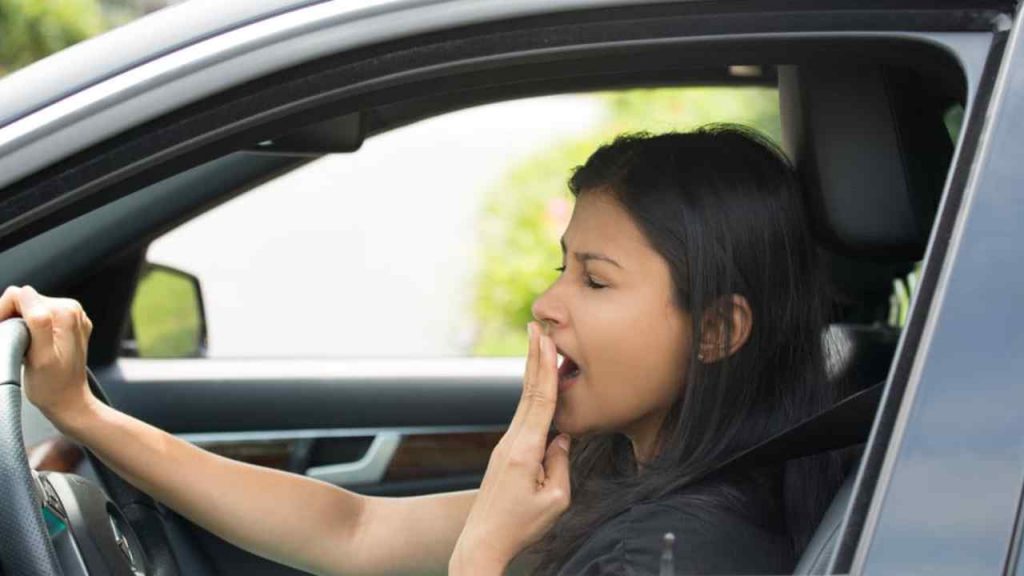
x=67 y=313
x=8 y=302
x=542 y=394
x=532 y=359
x=45 y=318
x=32 y=307
x=69 y=320
x=532 y=355
x=556 y=467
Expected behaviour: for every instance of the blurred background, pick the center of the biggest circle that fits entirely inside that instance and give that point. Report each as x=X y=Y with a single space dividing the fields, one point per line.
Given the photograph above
x=432 y=240
x=32 y=29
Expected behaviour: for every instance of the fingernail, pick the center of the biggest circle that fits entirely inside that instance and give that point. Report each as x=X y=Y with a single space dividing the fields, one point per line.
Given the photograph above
x=529 y=330
x=563 y=442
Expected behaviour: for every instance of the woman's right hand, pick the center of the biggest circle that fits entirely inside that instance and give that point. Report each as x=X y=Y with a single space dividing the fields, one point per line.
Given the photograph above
x=54 y=376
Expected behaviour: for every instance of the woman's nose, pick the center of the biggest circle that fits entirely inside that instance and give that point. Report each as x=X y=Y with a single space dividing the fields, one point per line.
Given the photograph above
x=548 y=310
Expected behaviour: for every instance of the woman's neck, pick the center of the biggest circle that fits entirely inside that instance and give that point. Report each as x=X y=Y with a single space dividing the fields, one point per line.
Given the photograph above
x=644 y=435
x=644 y=453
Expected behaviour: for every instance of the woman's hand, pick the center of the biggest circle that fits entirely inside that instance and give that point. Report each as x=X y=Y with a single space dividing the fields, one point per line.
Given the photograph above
x=526 y=486
x=55 y=379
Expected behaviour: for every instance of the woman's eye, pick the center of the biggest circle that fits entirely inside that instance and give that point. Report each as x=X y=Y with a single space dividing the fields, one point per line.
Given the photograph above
x=590 y=281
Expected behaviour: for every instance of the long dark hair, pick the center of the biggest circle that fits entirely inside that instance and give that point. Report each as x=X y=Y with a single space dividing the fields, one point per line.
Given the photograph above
x=722 y=206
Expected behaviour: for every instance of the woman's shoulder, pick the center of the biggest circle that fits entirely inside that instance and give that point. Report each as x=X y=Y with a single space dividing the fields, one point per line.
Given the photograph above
x=709 y=538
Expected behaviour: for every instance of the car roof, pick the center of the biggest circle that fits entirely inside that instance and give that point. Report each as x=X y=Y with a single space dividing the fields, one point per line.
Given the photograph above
x=102 y=57
x=142 y=40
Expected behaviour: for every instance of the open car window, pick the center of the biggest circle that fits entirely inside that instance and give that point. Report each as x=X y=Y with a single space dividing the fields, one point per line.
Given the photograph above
x=429 y=241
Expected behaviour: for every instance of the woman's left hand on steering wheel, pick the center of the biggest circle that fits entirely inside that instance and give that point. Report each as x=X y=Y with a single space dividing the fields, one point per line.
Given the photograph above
x=526 y=486
x=55 y=377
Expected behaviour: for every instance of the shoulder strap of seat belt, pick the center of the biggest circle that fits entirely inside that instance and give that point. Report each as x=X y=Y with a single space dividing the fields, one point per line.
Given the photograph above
x=844 y=424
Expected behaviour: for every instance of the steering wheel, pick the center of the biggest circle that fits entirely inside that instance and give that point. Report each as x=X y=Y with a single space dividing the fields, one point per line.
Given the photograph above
x=54 y=524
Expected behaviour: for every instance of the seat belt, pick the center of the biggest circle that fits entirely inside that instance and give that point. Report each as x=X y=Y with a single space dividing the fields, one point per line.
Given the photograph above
x=845 y=423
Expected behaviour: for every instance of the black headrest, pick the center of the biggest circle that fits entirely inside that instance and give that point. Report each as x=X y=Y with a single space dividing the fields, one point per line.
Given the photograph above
x=872 y=148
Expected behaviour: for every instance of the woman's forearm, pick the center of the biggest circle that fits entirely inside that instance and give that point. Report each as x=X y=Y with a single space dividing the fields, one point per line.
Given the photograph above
x=288 y=518
x=271 y=513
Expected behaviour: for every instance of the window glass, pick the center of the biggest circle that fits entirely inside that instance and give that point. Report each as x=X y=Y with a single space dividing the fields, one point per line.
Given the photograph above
x=432 y=240
x=954 y=120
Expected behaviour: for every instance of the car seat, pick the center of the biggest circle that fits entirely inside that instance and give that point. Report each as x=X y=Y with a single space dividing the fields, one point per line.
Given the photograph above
x=872 y=150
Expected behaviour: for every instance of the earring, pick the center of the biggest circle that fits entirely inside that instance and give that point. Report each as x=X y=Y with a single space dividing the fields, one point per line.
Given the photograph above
x=700 y=356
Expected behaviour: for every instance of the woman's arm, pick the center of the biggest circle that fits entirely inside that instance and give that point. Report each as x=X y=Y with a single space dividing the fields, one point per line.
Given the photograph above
x=286 y=517
x=291 y=519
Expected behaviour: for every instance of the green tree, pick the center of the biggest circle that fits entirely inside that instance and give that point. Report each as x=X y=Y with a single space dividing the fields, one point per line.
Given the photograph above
x=525 y=214
x=33 y=29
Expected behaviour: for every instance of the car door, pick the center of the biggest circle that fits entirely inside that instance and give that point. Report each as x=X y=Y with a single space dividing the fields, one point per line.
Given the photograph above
x=354 y=421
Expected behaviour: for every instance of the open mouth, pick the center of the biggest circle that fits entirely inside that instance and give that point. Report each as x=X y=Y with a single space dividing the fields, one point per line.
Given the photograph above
x=568 y=370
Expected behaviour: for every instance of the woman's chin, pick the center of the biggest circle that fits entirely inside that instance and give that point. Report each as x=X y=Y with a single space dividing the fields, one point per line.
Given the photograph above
x=566 y=423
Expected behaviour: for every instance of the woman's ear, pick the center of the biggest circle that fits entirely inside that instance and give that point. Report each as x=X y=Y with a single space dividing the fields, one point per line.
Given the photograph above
x=725 y=328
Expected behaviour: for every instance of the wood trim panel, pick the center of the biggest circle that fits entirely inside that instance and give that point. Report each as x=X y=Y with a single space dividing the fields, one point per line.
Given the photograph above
x=279 y=454
x=427 y=456
x=418 y=456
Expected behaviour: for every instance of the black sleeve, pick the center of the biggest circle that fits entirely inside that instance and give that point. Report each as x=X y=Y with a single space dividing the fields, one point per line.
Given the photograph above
x=706 y=542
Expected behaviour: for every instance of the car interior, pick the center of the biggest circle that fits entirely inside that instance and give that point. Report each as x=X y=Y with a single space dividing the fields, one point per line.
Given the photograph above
x=865 y=121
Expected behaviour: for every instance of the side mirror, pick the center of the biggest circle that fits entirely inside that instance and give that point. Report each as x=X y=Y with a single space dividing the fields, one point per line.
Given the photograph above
x=168 y=319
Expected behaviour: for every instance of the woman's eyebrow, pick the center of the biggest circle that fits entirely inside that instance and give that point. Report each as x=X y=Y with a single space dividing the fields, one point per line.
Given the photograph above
x=584 y=256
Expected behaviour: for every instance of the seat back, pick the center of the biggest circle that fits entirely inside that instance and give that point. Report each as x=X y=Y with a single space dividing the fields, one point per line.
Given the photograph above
x=819 y=551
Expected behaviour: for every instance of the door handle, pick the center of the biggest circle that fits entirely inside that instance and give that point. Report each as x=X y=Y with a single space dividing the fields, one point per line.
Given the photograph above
x=369 y=469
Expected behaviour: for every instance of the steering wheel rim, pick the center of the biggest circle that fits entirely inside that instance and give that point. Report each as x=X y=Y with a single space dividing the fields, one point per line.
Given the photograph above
x=25 y=547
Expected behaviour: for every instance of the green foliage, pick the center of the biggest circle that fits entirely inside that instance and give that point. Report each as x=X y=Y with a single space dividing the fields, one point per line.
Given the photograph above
x=954 y=120
x=166 y=315
x=526 y=213
x=903 y=290
x=664 y=109
x=33 y=29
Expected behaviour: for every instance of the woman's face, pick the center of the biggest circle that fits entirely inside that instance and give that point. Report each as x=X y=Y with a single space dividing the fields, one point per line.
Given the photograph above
x=630 y=340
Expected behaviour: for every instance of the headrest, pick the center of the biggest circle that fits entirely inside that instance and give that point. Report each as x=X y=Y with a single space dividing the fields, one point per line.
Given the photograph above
x=872 y=149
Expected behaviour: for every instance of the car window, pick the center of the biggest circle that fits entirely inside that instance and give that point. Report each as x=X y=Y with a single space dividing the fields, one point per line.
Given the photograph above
x=430 y=241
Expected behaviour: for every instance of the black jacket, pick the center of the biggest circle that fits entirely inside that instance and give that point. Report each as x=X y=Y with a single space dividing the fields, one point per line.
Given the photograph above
x=710 y=538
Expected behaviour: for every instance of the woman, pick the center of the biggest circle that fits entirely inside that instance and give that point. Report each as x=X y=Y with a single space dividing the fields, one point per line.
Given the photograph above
x=689 y=312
